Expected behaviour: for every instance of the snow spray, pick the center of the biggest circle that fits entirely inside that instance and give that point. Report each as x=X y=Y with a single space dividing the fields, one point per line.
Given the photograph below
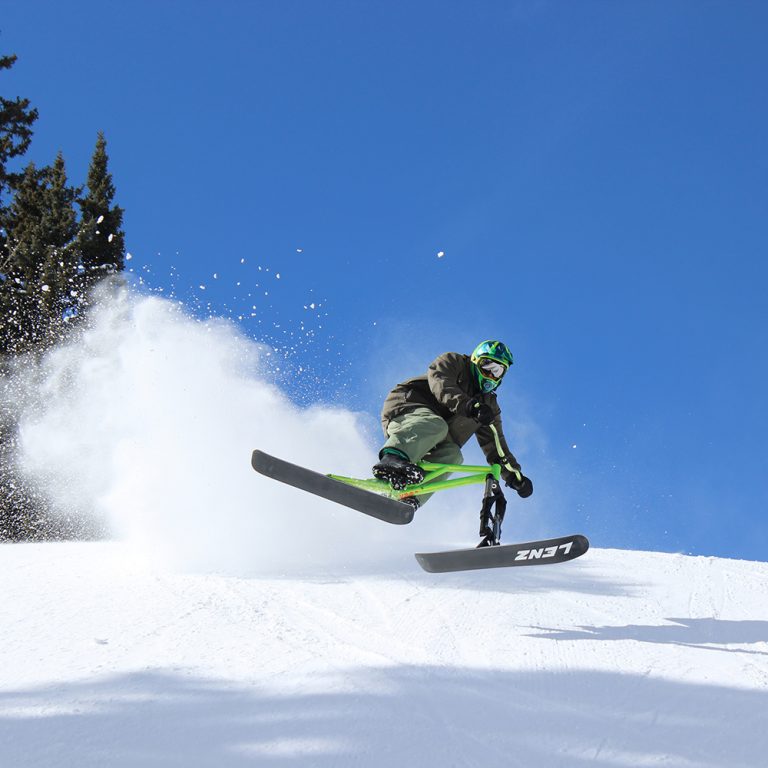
x=148 y=419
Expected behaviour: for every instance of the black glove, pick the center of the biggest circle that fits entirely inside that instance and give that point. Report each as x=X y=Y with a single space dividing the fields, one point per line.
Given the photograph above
x=479 y=411
x=523 y=486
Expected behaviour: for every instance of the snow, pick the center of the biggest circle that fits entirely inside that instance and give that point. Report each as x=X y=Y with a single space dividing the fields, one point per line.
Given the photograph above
x=617 y=659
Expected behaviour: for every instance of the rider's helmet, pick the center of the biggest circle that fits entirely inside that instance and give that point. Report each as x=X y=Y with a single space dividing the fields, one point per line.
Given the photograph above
x=490 y=362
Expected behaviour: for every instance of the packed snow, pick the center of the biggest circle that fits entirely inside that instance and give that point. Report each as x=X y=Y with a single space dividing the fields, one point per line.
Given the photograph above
x=618 y=659
x=234 y=621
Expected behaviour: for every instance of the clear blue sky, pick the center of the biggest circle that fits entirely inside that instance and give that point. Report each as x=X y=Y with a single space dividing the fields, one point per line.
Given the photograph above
x=596 y=174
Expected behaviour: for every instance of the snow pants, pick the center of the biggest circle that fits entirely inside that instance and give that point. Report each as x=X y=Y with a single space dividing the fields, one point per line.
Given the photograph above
x=422 y=434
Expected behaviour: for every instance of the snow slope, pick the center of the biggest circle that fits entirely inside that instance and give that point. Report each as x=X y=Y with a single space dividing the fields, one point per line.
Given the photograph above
x=618 y=659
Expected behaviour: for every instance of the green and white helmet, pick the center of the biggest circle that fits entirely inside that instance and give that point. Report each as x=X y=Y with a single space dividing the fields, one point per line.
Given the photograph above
x=490 y=361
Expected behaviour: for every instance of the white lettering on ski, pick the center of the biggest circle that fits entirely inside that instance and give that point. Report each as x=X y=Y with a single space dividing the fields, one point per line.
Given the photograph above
x=539 y=554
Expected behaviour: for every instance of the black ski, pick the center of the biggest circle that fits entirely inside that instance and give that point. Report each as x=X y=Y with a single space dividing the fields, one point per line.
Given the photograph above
x=380 y=507
x=529 y=553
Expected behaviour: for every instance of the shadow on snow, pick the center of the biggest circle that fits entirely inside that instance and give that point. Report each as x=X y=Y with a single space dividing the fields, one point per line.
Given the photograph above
x=414 y=716
x=698 y=633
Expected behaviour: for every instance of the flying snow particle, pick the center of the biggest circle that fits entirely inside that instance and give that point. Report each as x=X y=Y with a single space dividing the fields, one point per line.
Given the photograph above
x=277 y=275
x=299 y=250
x=110 y=238
x=215 y=275
x=128 y=256
x=440 y=254
x=45 y=288
x=100 y=219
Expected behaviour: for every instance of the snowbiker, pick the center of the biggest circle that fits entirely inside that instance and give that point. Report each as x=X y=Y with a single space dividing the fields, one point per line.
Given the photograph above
x=430 y=417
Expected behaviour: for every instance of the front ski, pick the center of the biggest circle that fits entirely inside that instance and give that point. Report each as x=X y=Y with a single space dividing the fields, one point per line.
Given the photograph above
x=529 y=553
x=381 y=507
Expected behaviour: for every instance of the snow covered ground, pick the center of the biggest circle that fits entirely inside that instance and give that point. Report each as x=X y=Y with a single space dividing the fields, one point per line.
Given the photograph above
x=617 y=659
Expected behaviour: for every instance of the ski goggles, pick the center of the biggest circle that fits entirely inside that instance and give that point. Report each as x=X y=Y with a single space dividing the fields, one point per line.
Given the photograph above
x=491 y=368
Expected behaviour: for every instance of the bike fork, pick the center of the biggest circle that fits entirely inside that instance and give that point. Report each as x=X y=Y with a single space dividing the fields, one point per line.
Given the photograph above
x=492 y=513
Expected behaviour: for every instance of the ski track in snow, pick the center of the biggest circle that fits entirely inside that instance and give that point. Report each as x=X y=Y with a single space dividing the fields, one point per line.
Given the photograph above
x=617 y=659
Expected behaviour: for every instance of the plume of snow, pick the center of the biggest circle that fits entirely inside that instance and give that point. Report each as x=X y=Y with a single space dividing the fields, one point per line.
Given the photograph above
x=148 y=420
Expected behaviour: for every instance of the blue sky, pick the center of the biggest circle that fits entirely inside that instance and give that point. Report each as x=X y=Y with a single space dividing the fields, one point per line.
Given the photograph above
x=595 y=174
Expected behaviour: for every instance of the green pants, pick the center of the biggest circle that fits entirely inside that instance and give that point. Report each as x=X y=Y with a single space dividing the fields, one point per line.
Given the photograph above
x=423 y=435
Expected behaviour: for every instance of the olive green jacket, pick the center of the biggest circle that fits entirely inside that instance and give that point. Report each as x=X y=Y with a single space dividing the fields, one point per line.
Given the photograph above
x=446 y=389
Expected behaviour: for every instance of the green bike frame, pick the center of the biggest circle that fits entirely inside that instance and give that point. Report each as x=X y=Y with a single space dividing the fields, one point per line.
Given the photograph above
x=474 y=475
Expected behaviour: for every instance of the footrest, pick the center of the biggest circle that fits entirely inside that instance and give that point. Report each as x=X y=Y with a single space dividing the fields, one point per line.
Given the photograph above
x=400 y=477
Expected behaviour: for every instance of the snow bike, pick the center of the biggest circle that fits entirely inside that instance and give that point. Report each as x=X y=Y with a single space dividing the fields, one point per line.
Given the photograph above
x=377 y=498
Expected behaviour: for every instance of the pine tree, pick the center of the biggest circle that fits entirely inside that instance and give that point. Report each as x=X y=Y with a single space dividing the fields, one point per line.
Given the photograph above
x=39 y=292
x=101 y=241
x=16 y=120
x=25 y=248
x=58 y=294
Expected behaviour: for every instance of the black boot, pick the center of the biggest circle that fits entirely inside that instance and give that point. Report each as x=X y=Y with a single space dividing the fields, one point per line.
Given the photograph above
x=397 y=470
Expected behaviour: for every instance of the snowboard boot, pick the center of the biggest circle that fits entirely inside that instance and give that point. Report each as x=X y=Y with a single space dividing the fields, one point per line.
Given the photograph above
x=395 y=468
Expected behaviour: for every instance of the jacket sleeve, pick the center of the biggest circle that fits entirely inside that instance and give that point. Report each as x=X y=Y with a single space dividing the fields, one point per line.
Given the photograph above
x=488 y=445
x=443 y=377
